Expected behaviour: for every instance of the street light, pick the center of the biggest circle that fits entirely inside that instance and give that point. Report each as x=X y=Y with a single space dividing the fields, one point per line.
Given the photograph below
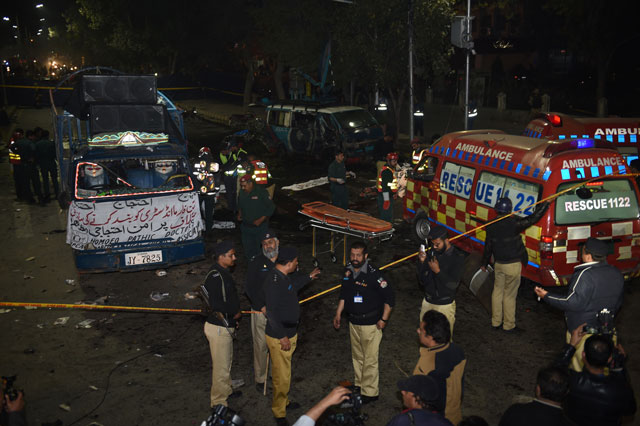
x=39 y=5
x=5 y=18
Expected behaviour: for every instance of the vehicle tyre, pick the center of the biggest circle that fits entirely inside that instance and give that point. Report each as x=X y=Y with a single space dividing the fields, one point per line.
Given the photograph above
x=420 y=226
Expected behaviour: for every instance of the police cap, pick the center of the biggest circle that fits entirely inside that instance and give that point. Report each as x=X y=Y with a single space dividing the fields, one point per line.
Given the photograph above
x=269 y=233
x=287 y=254
x=222 y=247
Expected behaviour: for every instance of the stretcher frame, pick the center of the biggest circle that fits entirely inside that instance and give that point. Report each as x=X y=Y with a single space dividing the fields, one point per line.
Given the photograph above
x=345 y=231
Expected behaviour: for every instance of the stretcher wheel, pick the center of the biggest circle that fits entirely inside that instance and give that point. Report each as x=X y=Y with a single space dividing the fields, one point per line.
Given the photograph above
x=334 y=259
x=315 y=262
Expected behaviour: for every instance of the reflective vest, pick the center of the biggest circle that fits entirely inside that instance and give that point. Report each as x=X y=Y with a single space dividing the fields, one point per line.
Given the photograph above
x=224 y=158
x=393 y=185
x=14 y=157
x=260 y=172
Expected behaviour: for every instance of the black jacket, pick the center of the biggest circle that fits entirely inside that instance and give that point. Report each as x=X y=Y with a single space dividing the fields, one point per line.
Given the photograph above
x=223 y=297
x=593 y=287
x=440 y=288
x=504 y=240
x=597 y=399
x=283 y=309
x=534 y=413
x=365 y=294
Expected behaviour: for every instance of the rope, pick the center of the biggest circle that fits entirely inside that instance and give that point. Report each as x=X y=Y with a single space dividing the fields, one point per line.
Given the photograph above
x=388 y=265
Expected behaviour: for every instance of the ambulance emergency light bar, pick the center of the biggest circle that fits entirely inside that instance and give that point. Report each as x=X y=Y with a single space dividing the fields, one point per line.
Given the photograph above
x=568 y=145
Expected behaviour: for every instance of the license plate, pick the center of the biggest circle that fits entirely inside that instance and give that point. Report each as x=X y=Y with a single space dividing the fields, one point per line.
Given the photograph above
x=143 y=257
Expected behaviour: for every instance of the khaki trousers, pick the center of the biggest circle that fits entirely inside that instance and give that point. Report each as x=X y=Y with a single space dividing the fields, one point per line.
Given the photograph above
x=221 y=347
x=448 y=311
x=505 y=291
x=260 y=350
x=280 y=374
x=365 y=345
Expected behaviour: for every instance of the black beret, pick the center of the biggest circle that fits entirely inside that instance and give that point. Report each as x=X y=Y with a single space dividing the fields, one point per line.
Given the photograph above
x=222 y=247
x=438 y=232
x=287 y=254
x=596 y=247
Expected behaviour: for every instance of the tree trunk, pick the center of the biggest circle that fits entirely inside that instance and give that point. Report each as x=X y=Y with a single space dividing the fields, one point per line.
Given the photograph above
x=397 y=99
x=277 y=78
x=248 y=80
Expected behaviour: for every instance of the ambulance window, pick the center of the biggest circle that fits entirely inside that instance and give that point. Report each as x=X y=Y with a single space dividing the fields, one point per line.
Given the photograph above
x=611 y=200
x=491 y=187
x=457 y=179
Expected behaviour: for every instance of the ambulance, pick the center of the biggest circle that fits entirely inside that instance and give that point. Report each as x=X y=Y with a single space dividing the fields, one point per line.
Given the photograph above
x=468 y=171
x=621 y=133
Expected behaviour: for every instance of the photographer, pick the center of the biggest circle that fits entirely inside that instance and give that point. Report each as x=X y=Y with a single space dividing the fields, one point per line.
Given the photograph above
x=420 y=396
x=595 y=286
x=12 y=409
x=439 y=275
x=597 y=398
x=336 y=396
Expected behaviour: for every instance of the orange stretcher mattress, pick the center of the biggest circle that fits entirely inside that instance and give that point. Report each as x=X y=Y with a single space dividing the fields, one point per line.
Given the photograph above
x=348 y=219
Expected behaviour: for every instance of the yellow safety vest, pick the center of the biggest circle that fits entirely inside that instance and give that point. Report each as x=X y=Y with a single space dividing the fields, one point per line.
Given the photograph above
x=14 y=157
x=393 y=185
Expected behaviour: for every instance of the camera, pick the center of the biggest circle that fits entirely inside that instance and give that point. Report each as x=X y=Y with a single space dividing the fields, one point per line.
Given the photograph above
x=221 y=415
x=353 y=416
x=7 y=386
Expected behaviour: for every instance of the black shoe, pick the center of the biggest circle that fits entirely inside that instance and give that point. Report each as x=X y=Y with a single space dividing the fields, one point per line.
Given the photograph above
x=260 y=387
x=235 y=394
x=281 y=421
x=367 y=399
x=292 y=405
x=497 y=327
x=514 y=330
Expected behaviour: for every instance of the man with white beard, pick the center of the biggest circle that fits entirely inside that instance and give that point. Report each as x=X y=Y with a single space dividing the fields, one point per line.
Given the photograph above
x=259 y=267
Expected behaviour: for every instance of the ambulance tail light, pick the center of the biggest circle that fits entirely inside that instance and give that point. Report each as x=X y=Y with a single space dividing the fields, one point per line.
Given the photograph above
x=546 y=247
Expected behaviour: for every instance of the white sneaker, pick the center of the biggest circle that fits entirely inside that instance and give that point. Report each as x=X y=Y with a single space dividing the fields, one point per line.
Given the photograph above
x=237 y=383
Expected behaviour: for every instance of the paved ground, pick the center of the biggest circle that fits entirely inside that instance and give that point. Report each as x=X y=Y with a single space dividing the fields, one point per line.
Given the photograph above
x=154 y=369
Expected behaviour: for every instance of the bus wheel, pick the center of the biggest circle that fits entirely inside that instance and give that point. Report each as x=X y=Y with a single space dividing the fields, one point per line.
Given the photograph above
x=421 y=226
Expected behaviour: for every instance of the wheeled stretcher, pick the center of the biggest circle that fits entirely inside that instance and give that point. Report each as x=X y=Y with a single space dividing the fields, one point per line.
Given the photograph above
x=343 y=222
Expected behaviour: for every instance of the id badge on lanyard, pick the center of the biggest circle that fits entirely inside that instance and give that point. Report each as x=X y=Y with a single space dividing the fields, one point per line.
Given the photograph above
x=357 y=299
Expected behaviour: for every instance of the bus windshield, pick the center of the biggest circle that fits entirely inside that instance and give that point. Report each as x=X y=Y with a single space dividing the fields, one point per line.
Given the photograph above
x=113 y=178
x=611 y=200
x=355 y=119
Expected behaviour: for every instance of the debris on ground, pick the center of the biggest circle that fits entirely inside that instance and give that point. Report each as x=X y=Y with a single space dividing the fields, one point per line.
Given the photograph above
x=156 y=296
x=65 y=407
x=69 y=281
x=190 y=295
x=4 y=311
x=86 y=323
x=29 y=259
x=61 y=321
x=27 y=277
x=93 y=388
x=161 y=273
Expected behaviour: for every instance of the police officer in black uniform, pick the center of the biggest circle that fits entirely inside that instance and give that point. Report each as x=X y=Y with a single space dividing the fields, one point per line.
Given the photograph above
x=439 y=275
x=283 y=312
x=220 y=290
x=257 y=271
x=367 y=298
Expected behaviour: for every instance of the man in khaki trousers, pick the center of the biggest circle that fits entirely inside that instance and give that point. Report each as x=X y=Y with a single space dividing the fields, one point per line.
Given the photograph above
x=257 y=271
x=224 y=314
x=367 y=298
